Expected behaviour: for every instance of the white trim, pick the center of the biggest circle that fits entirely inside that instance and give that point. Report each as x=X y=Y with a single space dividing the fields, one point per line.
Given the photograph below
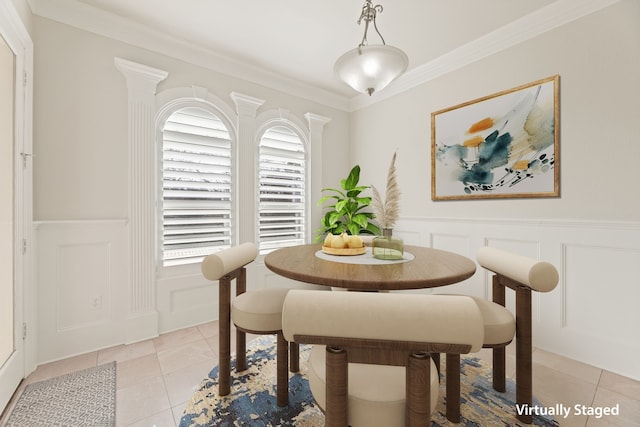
x=15 y=34
x=245 y=203
x=141 y=81
x=564 y=223
x=316 y=142
x=95 y=21
x=168 y=102
x=539 y=22
x=282 y=117
x=90 y=19
x=38 y=224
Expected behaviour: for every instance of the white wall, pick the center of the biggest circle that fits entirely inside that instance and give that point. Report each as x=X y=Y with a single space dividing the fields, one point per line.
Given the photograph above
x=590 y=232
x=598 y=60
x=82 y=184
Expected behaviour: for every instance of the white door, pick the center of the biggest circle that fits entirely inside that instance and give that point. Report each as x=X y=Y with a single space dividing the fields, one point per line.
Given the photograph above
x=12 y=359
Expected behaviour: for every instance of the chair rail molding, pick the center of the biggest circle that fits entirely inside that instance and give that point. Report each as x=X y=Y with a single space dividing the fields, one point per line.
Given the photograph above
x=141 y=82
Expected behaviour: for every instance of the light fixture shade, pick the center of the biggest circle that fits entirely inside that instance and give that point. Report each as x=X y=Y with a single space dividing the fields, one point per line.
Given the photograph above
x=372 y=67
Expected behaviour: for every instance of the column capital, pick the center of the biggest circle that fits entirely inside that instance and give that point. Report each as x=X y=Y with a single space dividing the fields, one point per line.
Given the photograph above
x=316 y=121
x=139 y=76
x=246 y=105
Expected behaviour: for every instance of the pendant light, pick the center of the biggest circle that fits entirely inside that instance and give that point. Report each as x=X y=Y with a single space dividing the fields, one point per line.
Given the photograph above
x=370 y=68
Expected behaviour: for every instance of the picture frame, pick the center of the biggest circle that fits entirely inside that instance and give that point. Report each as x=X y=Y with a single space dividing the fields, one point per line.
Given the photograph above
x=504 y=145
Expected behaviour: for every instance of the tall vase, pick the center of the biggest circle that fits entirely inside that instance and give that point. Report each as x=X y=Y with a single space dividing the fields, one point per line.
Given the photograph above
x=387 y=246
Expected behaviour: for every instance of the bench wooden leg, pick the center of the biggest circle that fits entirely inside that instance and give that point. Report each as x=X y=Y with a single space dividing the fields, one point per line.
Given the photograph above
x=337 y=388
x=436 y=361
x=418 y=390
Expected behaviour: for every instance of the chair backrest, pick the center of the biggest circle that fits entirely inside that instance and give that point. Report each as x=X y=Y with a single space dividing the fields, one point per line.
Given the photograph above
x=440 y=320
x=540 y=276
x=221 y=263
x=373 y=328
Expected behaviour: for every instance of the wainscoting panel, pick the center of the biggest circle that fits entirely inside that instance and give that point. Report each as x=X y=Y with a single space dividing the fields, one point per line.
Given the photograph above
x=592 y=315
x=186 y=300
x=83 y=285
x=599 y=277
x=83 y=291
x=82 y=274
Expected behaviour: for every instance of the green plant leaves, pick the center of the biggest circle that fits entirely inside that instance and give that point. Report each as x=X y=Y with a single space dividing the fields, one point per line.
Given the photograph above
x=352 y=180
x=347 y=214
x=340 y=206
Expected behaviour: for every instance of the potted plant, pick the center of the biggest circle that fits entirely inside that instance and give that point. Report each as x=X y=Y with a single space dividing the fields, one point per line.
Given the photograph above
x=347 y=214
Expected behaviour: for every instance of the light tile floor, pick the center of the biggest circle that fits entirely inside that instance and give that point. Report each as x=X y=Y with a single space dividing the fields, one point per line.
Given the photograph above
x=156 y=378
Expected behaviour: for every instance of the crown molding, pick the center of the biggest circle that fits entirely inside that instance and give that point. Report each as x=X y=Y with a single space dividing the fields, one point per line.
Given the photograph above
x=93 y=20
x=546 y=19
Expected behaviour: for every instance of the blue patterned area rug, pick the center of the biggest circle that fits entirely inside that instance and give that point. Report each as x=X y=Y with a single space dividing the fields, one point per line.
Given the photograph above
x=252 y=400
x=82 y=398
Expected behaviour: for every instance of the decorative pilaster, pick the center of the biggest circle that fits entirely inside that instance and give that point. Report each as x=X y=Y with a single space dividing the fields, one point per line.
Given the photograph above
x=142 y=82
x=316 y=129
x=246 y=108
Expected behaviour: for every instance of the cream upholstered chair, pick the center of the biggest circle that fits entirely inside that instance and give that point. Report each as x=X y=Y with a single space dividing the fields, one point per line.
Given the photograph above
x=371 y=365
x=523 y=275
x=256 y=311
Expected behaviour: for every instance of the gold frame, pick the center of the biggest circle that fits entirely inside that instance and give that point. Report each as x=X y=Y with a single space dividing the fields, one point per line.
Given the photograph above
x=504 y=145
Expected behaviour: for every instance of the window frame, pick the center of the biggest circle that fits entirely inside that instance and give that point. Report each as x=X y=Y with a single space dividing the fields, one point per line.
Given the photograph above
x=302 y=134
x=217 y=108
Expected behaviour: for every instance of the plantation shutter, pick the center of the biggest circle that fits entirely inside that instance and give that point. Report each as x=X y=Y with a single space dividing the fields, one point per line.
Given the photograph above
x=281 y=189
x=196 y=186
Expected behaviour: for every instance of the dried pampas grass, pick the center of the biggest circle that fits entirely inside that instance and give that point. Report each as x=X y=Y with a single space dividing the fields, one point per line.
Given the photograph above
x=387 y=211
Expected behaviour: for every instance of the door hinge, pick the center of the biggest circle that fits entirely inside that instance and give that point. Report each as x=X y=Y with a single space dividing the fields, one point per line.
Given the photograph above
x=24 y=331
x=25 y=78
x=25 y=156
x=24 y=246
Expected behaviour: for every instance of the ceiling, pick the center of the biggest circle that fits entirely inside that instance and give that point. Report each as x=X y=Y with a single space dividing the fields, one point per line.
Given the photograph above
x=301 y=39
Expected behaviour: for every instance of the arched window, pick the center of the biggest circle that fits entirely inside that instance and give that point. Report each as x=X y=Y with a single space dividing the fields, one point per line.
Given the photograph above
x=282 y=183
x=196 y=186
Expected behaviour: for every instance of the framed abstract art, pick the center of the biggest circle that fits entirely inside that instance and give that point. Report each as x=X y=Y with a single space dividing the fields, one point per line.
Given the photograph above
x=504 y=145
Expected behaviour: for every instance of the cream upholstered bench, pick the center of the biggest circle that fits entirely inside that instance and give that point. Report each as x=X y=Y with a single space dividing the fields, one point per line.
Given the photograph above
x=375 y=369
x=256 y=311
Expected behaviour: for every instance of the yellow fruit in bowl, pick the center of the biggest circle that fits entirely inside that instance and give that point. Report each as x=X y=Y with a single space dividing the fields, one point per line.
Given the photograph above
x=355 y=242
x=327 y=240
x=337 y=242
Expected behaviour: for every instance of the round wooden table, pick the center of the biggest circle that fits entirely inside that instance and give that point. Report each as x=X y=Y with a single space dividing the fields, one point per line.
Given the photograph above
x=430 y=268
